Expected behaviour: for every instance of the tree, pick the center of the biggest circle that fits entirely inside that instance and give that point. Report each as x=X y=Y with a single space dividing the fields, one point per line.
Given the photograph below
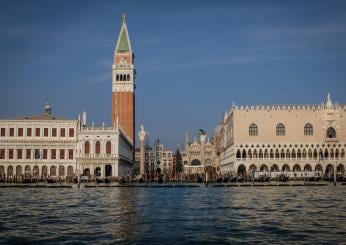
x=179 y=162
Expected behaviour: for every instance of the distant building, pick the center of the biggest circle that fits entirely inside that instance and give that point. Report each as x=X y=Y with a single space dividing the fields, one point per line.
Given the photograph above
x=297 y=140
x=200 y=157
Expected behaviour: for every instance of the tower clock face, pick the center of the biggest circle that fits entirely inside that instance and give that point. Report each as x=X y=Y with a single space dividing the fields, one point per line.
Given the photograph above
x=123 y=60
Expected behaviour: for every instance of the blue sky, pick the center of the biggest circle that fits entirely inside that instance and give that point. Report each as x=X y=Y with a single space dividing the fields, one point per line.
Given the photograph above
x=193 y=58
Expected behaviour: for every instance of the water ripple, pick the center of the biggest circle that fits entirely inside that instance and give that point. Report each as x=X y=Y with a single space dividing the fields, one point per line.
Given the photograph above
x=174 y=215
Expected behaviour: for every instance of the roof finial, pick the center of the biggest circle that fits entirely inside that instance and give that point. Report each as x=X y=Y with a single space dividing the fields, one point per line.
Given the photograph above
x=47 y=108
x=329 y=102
x=124 y=17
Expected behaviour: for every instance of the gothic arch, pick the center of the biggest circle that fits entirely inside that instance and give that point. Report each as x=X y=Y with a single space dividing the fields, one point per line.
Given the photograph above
x=277 y=154
x=340 y=169
x=288 y=154
x=307 y=167
x=252 y=168
x=244 y=154
x=128 y=77
x=264 y=168
x=282 y=154
x=255 y=154
x=260 y=154
x=249 y=154
x=296 y=168
x=238 y=155
x=308 y=129
x=285 y=168
x=318 y=168
x=242 y=170
x=274 y=168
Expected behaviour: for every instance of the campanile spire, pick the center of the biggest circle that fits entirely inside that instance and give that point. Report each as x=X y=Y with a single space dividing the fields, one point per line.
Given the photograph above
x=123 y=82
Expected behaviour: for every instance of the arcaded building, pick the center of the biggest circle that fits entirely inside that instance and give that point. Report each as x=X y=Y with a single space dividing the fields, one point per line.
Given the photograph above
x=297 y=140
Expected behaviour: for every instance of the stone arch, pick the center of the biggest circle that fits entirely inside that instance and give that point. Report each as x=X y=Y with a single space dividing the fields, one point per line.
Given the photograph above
x=36 y=170
x=299 y=154
x=249 y=154
x=19 y=170
x=128 y=77
x=86 y=172
x=27 y=169
x=252 y=167
x=326 y=154
x=2 y=170
x=294 y=154
x=108 y=147
x=331 y=133
x=52 y=171
x=243 y=154
x=266 y=154
x=318 y=168
x=342 y=155
x=69 y=171
x=264 y=168
x=285 y=168
x=238 y=155
x=329 y=169
x=340 y=169
x=282 y=154
x=297 y=168
x=315 y=154
x=309 y=154
x=260 y=154
x=271 y=154
x=274 y=168
x=10 y=171
x=242 y=170
x=307 y=167
x=304 y=155
x=61 y=171
x=44 y=171
x=277 y=154
x=255 y=153
x=195 y=162
x=288 y=154
x=337 y=153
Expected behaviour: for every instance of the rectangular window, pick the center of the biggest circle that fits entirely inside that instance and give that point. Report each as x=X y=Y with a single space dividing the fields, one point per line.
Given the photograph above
x=62 y=132
x=70 y=154
x=19 y=154
x=20 y=132
x=28 y=154
x=45 y=153
x=2 y=153
x=37 y=154
x=3 y=132
x=28 y=132
x=53 y=153
x=45 y=132
x=53 y=132
x=71 y=132
x=10 y=153
x=62 y=154
x=37 y=132
x=11 y=132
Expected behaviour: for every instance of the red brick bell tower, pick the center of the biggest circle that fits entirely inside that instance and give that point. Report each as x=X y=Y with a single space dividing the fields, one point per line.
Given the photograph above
x=123 y=83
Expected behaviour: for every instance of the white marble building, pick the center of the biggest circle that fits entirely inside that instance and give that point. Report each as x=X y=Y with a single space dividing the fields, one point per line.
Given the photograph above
x=50 y=146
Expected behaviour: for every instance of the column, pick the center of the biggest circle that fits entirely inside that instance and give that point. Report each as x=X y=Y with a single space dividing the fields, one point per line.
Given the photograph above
x=141 y=135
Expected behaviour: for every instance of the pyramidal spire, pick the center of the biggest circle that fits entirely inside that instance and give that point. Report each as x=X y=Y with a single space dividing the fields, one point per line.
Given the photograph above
x=123 y=44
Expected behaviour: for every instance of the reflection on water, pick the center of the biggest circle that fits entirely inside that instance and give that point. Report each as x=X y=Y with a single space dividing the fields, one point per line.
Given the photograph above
x=174 y=215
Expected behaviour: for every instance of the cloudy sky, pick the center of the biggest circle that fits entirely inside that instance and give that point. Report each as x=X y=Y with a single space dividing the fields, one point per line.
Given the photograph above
x=193 y=58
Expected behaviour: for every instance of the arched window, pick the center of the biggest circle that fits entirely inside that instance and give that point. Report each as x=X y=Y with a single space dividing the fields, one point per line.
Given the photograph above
x=308 y=129
x=331 y=133
x=253 y=130
x=97 y=147
x=117 y=78
x=128 y=77
x=86 y=147
x=108 y=147
x=280 y=129
x=238 y=154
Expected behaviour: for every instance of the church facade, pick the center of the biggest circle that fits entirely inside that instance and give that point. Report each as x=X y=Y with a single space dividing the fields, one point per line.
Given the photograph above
x=51 y=146
x=298 y=141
